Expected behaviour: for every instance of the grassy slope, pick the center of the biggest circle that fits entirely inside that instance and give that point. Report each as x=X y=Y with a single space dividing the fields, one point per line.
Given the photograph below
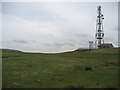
x=60 y=70
x=0 y=69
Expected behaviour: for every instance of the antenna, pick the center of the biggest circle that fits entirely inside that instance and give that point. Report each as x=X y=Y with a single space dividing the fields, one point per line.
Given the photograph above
x=99 y=29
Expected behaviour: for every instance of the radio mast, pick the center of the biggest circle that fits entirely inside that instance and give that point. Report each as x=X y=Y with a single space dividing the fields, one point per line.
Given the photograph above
x=99 y=29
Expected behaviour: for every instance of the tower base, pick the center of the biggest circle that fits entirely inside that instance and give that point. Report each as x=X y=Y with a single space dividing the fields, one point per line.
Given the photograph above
x=106 y=45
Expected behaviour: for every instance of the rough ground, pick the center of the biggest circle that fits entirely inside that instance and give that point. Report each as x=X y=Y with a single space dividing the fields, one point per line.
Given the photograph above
x=77 y=69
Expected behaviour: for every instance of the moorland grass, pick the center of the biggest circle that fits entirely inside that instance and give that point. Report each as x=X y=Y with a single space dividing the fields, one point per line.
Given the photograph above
x=63 y=70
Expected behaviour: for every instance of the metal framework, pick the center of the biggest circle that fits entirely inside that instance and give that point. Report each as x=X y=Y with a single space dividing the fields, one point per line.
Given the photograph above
x=99 y=29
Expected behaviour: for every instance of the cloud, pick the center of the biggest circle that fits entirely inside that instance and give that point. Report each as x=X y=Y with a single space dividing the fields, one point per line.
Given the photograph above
x=84 y=35
x=54 y=27
x=20 y=41
x=62 y=44
x=30 y=11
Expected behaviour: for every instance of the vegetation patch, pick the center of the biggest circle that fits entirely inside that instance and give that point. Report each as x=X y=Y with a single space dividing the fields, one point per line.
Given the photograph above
x=87 y=68
x=79 y=68
x=110 y=64
x=74 y=86
x=93 y=69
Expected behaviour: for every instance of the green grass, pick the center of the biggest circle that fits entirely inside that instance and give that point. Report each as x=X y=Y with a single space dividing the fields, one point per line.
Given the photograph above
x=27 y=70
x=0 y=69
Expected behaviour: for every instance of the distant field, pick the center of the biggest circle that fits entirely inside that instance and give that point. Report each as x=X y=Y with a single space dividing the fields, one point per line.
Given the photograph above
x=77 y=69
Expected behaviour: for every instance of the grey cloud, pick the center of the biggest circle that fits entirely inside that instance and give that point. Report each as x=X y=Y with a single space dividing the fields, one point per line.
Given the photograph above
x=64 y=43
x=59 y=30
x=116 y=28
x=109 y=39
x=83 y=35
x=20 y=41
x=71 y=40
x=68 y=43
x=24 y=41
x=59 y=44
x=47 y=44
x=33 y=41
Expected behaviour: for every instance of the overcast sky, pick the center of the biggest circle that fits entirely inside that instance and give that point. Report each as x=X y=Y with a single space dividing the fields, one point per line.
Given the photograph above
x=55 y=27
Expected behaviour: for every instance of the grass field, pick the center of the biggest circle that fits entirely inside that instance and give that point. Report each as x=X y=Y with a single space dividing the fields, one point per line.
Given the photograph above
x=77 y=69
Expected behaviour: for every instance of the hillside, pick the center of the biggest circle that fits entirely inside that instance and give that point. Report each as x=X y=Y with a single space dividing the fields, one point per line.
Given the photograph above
x=77 y=69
